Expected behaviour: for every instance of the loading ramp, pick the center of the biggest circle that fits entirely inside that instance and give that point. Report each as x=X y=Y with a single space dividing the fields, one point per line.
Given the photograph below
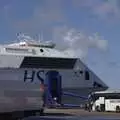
x=54 y=92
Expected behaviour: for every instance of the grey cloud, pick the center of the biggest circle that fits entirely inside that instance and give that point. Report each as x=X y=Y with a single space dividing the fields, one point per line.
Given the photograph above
x=77 y=43
x=104 y=9
x=45 y=16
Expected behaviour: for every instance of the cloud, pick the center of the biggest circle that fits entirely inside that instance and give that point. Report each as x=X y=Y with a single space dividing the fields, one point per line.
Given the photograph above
x=77 y=43
x=45 y=16
x=107 y=10
x=104 y=9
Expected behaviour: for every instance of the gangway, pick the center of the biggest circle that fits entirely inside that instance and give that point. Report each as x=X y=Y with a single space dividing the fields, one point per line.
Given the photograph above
x=55 y=93
x=50 y=102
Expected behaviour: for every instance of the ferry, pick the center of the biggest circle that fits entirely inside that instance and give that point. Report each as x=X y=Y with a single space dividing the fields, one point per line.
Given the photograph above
x=26 y=63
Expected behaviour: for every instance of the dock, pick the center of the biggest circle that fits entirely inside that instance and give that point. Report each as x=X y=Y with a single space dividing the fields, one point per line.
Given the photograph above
x=77 y=112
x=66 y=114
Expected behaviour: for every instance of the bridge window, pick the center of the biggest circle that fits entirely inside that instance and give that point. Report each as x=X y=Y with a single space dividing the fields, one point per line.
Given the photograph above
x=87 y=76
x=18 y=50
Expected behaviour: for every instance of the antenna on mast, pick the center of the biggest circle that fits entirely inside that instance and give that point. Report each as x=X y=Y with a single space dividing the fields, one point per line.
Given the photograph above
x=40 y=37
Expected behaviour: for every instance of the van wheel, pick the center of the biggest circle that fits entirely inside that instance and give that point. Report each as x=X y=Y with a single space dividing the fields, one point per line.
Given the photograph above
x=38 y=112
x=117 y=109
x=97 y=108
x=41 y=111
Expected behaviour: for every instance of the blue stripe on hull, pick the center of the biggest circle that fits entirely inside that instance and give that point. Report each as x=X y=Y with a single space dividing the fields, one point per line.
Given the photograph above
x=83 y=92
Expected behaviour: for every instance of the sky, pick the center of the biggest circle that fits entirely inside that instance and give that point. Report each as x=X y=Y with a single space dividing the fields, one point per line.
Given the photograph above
x=89 y=29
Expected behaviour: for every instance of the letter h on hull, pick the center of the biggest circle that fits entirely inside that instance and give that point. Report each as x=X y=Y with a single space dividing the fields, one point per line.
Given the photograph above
x=28 y=77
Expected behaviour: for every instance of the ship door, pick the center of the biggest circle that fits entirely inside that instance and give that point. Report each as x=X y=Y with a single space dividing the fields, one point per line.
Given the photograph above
x=53 y=79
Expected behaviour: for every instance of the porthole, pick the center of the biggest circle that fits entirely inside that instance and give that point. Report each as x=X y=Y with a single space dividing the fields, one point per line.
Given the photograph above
x=41 y=50
x=81 y=72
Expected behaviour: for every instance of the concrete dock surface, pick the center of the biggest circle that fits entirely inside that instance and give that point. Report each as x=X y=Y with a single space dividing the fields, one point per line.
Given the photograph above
x=78 y=112
x=68 y=114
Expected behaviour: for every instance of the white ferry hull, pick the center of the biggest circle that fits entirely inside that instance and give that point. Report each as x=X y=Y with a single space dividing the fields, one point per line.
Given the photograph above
x=20 y=91
x=15 y=94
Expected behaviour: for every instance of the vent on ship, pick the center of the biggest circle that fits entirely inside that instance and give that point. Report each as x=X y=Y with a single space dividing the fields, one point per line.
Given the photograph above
x=51 y=63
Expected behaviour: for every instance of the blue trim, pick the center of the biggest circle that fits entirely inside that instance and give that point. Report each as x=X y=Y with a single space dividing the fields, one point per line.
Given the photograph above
x=50 y=76
x=74 y=95
x=70 y=105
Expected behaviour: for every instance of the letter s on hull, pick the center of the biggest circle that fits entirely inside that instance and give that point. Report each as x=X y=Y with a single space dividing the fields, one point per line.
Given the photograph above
x=31 y=76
